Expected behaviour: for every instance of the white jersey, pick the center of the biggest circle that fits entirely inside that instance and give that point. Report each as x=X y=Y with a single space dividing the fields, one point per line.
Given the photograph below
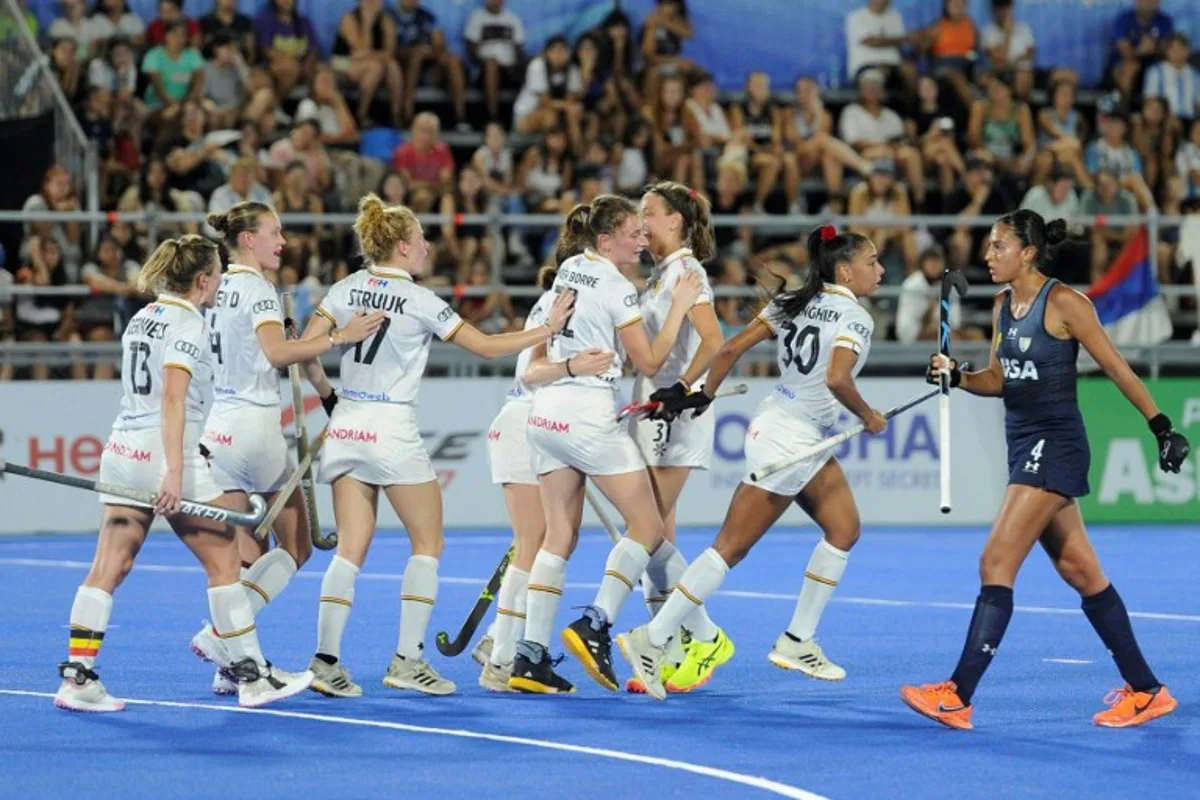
x=241 y=372
x=806 y=343
x=520 y=391
x=605 y=302
x=656 y=305
x=168 y=333
x=387 y=366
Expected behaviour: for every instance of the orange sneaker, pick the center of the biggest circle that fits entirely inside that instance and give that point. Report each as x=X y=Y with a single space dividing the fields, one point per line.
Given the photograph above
x=1127 y=707
x=940 y=702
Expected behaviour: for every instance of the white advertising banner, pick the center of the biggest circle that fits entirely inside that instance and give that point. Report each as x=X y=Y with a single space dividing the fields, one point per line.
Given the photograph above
x=63 y=426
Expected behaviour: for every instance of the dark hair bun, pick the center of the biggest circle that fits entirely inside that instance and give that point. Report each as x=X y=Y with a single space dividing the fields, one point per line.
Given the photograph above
x=219 y=222
x=1056 y=232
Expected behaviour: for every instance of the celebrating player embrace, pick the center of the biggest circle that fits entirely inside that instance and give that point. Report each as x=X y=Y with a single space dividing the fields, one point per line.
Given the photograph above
x=824 y=336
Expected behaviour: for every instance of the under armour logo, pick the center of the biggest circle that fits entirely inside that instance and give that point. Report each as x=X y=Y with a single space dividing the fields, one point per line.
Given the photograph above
x=989 y=650
x=1032 y=466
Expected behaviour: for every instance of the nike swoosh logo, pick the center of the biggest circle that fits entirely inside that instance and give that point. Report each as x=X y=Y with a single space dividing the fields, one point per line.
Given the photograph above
x=1139 y=709
x=942 y=709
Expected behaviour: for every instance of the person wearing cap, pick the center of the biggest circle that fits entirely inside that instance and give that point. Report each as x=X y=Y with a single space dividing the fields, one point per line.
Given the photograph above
x=877 y=132
x=880 y=195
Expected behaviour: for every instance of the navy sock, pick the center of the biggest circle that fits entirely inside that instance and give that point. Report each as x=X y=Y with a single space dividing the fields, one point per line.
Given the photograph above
x=1108 y=616
x=993 y=610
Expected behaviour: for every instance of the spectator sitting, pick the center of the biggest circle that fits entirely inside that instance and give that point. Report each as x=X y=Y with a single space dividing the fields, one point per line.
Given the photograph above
x=1187 y=163
x=918 y=309
x=877 y=132
x=295 y=195
x=66 y=68
x=1061 y=132
x=242 y=186
x=151 y=193
x=492 y=313
x=303 y=144
x=465 y=242
x=78 y=27
x=707 y=126
x=287 y=42
x=551 y=96
x=425 y=163
x=493 y=160
x=1156 y=133
x=632 y=158
x=327 y=107
x=881 y=196
x=1107 y=198
x=172 y=11
x=1003 y=126
x=730 y=309
x=196 y=164
x=496 y=38
x=175 y=72
x=365 y=52
x=1054 y=199
x=1138 y=38
x=674 y=152
x=1009 y=46
x=980 y=196
x=664 y=30
x=932 y=128
x=44 y=319
x=393 y=189
x=98 y=317
x=545 y=172
x=56 y=194
x=418 y=42
x=1113 y=153
x=112 y=19
x=808 y=129
x=237 y=27
x=951 y=43
x=875 y=35
x=1175 y=80
x=227 y=87
x=730 y=200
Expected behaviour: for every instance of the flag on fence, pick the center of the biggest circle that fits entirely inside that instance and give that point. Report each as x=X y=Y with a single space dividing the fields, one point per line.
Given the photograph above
x=1128 y=300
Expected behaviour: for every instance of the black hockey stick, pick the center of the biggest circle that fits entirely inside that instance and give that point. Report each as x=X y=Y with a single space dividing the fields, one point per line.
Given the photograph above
x=453 y=648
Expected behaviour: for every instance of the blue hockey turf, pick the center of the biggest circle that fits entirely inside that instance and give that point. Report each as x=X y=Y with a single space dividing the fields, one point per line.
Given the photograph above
x=899 y=616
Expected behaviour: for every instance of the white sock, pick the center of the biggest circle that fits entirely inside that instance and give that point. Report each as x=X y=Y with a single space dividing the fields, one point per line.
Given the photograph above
x=510 y=615
x=658 y=580
x=626 y=563
x=546 y=581
x=495 y=624
x=825 y=569
x=267 y=577
x=337 y=598
x=702 y=579
x=89 y=620
x=418 y=592
x=233 y=621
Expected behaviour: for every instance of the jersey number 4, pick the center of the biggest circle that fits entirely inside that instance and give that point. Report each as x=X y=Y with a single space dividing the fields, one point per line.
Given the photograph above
x=373 y=347
x=801 y=346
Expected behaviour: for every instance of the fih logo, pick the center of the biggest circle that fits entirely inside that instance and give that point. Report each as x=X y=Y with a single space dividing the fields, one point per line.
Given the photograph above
x=378 y=283
x=157 y=309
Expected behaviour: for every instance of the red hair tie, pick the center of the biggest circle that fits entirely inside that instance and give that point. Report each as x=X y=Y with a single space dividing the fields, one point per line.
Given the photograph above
x=692 y=193
x=828 y=232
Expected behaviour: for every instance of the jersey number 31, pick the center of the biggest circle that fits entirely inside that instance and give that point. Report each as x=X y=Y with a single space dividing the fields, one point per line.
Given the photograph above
x=801 y=346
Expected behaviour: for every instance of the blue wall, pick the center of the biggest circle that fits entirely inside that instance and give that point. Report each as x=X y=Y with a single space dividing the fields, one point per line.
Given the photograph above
x=778 y=36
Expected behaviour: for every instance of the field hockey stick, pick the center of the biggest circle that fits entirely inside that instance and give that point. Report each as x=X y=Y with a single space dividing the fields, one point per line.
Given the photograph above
x=448 y=647
x=594 y=502
x=644 y=409
x=264 y=527
x=826 y=445
x=301 y=422
x=953 y=280
x=189 y=508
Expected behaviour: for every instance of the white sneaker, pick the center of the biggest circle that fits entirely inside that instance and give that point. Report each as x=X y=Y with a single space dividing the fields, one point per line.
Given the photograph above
x=211 y=648
x=417 y=676
x=483 y=651
x=224 y=684
x=806 y=657
x=495 y=677
x=275 y=685
x=88 y=695
x=332 y=680
x=645 y=658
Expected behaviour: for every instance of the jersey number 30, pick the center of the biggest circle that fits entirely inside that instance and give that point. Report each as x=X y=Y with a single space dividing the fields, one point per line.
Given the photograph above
x=801 y=346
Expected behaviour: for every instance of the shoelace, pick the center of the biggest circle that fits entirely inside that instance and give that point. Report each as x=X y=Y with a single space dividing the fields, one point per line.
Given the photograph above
x=1117 y=695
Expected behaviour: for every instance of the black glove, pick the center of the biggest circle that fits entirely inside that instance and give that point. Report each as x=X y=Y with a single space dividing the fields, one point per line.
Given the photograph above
x=955 y=373
x=672 y=394
x=698 y=401
x=1173 y=447
x=328 y=404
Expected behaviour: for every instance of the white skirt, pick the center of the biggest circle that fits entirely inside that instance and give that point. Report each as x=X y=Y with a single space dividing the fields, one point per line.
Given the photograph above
x=509 y=456
x=135 y=459
x=774 y=435
x=686 y=442
x=249 y=452
x=376 y=443
x=576 y=426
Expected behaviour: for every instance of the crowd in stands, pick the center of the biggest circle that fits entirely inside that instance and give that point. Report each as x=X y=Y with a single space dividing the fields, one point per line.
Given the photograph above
x=198 y=114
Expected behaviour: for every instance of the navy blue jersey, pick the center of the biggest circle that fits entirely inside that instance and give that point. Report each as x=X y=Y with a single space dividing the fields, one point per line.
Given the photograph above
x=1047 y=443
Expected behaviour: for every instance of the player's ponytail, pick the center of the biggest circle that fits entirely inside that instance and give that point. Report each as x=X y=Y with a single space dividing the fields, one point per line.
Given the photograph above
x=587 y=221
x=546 y=276
x=381 y=227
x=826 y=250
x=242 y=218
x=697 y=232
x=1033 y=231
x=174 y=265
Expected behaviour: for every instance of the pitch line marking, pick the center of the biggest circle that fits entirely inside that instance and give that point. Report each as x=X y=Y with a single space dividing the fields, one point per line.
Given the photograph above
x=754 y=782
x=791 y=598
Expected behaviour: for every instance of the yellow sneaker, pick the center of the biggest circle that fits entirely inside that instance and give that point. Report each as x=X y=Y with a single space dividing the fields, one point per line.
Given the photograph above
x=702 y=660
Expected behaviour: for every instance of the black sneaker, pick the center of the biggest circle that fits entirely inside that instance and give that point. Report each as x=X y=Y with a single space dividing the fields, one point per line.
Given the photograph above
x=588 y=639
x=533 y=672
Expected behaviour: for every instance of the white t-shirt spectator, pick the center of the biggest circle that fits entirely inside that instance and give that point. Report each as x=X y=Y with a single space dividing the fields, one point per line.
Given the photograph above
x=102 y=74
x=537 y=83
x=496 y=36
x=859 y=125
x=712 y=120
x=85 y=33
x=129 y=26
x=917 y=295
x=1018 y=44
x=863 y=24
x=1039 y=200
x=325 y=116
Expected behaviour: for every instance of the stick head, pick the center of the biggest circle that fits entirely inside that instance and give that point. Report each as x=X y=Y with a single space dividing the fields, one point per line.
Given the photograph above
x=258 y=507
x=953 y=280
